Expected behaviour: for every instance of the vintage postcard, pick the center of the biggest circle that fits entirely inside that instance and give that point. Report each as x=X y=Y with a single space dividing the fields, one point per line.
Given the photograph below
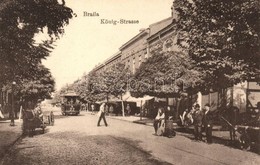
x=129 y=82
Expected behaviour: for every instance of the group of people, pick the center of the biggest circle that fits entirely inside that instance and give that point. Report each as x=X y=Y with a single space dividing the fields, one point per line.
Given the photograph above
x=201 y=119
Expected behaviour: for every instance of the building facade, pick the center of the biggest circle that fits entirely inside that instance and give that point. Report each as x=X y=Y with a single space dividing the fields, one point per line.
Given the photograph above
x=161 y=37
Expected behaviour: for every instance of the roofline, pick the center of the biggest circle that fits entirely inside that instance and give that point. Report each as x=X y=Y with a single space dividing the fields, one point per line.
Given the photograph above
x=161 y=21
x=103 y=64
x=113 y=57
x=159 y=32
x=146 y=31
x=99 y=66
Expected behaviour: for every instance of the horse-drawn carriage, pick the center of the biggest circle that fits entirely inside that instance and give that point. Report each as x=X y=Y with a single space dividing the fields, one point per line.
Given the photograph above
x=246 y=134
x=244 y=128
x=35 y=119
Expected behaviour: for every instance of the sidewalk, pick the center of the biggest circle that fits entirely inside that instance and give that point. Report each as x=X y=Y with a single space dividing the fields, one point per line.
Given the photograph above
x=8 y=135
x=216 y=133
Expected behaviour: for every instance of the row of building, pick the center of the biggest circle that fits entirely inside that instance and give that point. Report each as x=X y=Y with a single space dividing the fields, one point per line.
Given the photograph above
x=161 y=37
x=157 y=36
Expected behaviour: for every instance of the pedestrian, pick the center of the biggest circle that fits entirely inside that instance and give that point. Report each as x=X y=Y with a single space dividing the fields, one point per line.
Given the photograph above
x=159 y=121
x=1 y=114
x=92 y=109
x=197 y=116
x=101 y=114
x=128 y=110
x=111 y=109
x=207 y=122
x=82 y=107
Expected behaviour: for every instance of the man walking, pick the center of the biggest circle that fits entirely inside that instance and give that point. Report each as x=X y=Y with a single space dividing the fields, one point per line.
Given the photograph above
x=207 y=122
x=101 y=114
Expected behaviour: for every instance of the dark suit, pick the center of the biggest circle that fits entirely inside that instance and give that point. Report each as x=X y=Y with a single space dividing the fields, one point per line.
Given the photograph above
x=207 y=122
x=197 y=116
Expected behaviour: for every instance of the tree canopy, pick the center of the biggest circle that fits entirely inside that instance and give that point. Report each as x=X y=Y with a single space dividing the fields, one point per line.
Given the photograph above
x=110 y=82
x=99 y=86
x=20 y=21
x=40 y=88
x=222 y=37
x=166 y=73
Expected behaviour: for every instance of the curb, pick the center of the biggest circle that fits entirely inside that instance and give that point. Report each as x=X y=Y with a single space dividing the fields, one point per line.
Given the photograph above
x=143 y=123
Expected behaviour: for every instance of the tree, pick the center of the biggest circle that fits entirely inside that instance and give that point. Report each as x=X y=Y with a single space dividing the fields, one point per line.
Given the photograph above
x=112 y=81
x=20 y=21
x=165 y=74
x=40 y=88
x=57 y=98
x=222 y=37
x=33 y=90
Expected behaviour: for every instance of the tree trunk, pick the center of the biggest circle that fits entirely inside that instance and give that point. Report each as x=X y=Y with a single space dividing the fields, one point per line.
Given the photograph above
x=123 y=107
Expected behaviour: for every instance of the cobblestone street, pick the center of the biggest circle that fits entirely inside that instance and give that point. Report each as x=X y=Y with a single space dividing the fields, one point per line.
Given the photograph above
x=77 y=140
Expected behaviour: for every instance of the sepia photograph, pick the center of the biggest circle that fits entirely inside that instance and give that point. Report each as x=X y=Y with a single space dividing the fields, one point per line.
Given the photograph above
x=129 y=82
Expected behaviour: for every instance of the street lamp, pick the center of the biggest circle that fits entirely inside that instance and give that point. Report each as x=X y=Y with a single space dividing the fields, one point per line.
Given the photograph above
x=12 y=110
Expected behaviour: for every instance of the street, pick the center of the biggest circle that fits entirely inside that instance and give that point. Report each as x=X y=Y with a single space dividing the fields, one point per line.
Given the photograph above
x=78 y=140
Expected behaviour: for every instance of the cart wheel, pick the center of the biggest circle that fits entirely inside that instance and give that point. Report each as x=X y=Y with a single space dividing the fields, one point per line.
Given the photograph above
x=245 y=142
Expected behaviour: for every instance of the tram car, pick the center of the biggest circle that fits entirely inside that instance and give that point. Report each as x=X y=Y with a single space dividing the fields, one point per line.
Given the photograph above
x=70 y=104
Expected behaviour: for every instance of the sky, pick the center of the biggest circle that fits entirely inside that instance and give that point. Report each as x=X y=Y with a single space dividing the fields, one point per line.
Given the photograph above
x=87 y=42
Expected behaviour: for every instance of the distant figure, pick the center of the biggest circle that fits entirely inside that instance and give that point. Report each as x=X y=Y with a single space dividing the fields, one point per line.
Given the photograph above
x=111 y=109
x=101 y=114
x=207 y=122
x=83 y=107
x=128 y=109
x=197 y=116
x=92 y=109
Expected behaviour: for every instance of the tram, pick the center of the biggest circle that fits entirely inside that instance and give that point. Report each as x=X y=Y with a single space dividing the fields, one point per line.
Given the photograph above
x=70 y=104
